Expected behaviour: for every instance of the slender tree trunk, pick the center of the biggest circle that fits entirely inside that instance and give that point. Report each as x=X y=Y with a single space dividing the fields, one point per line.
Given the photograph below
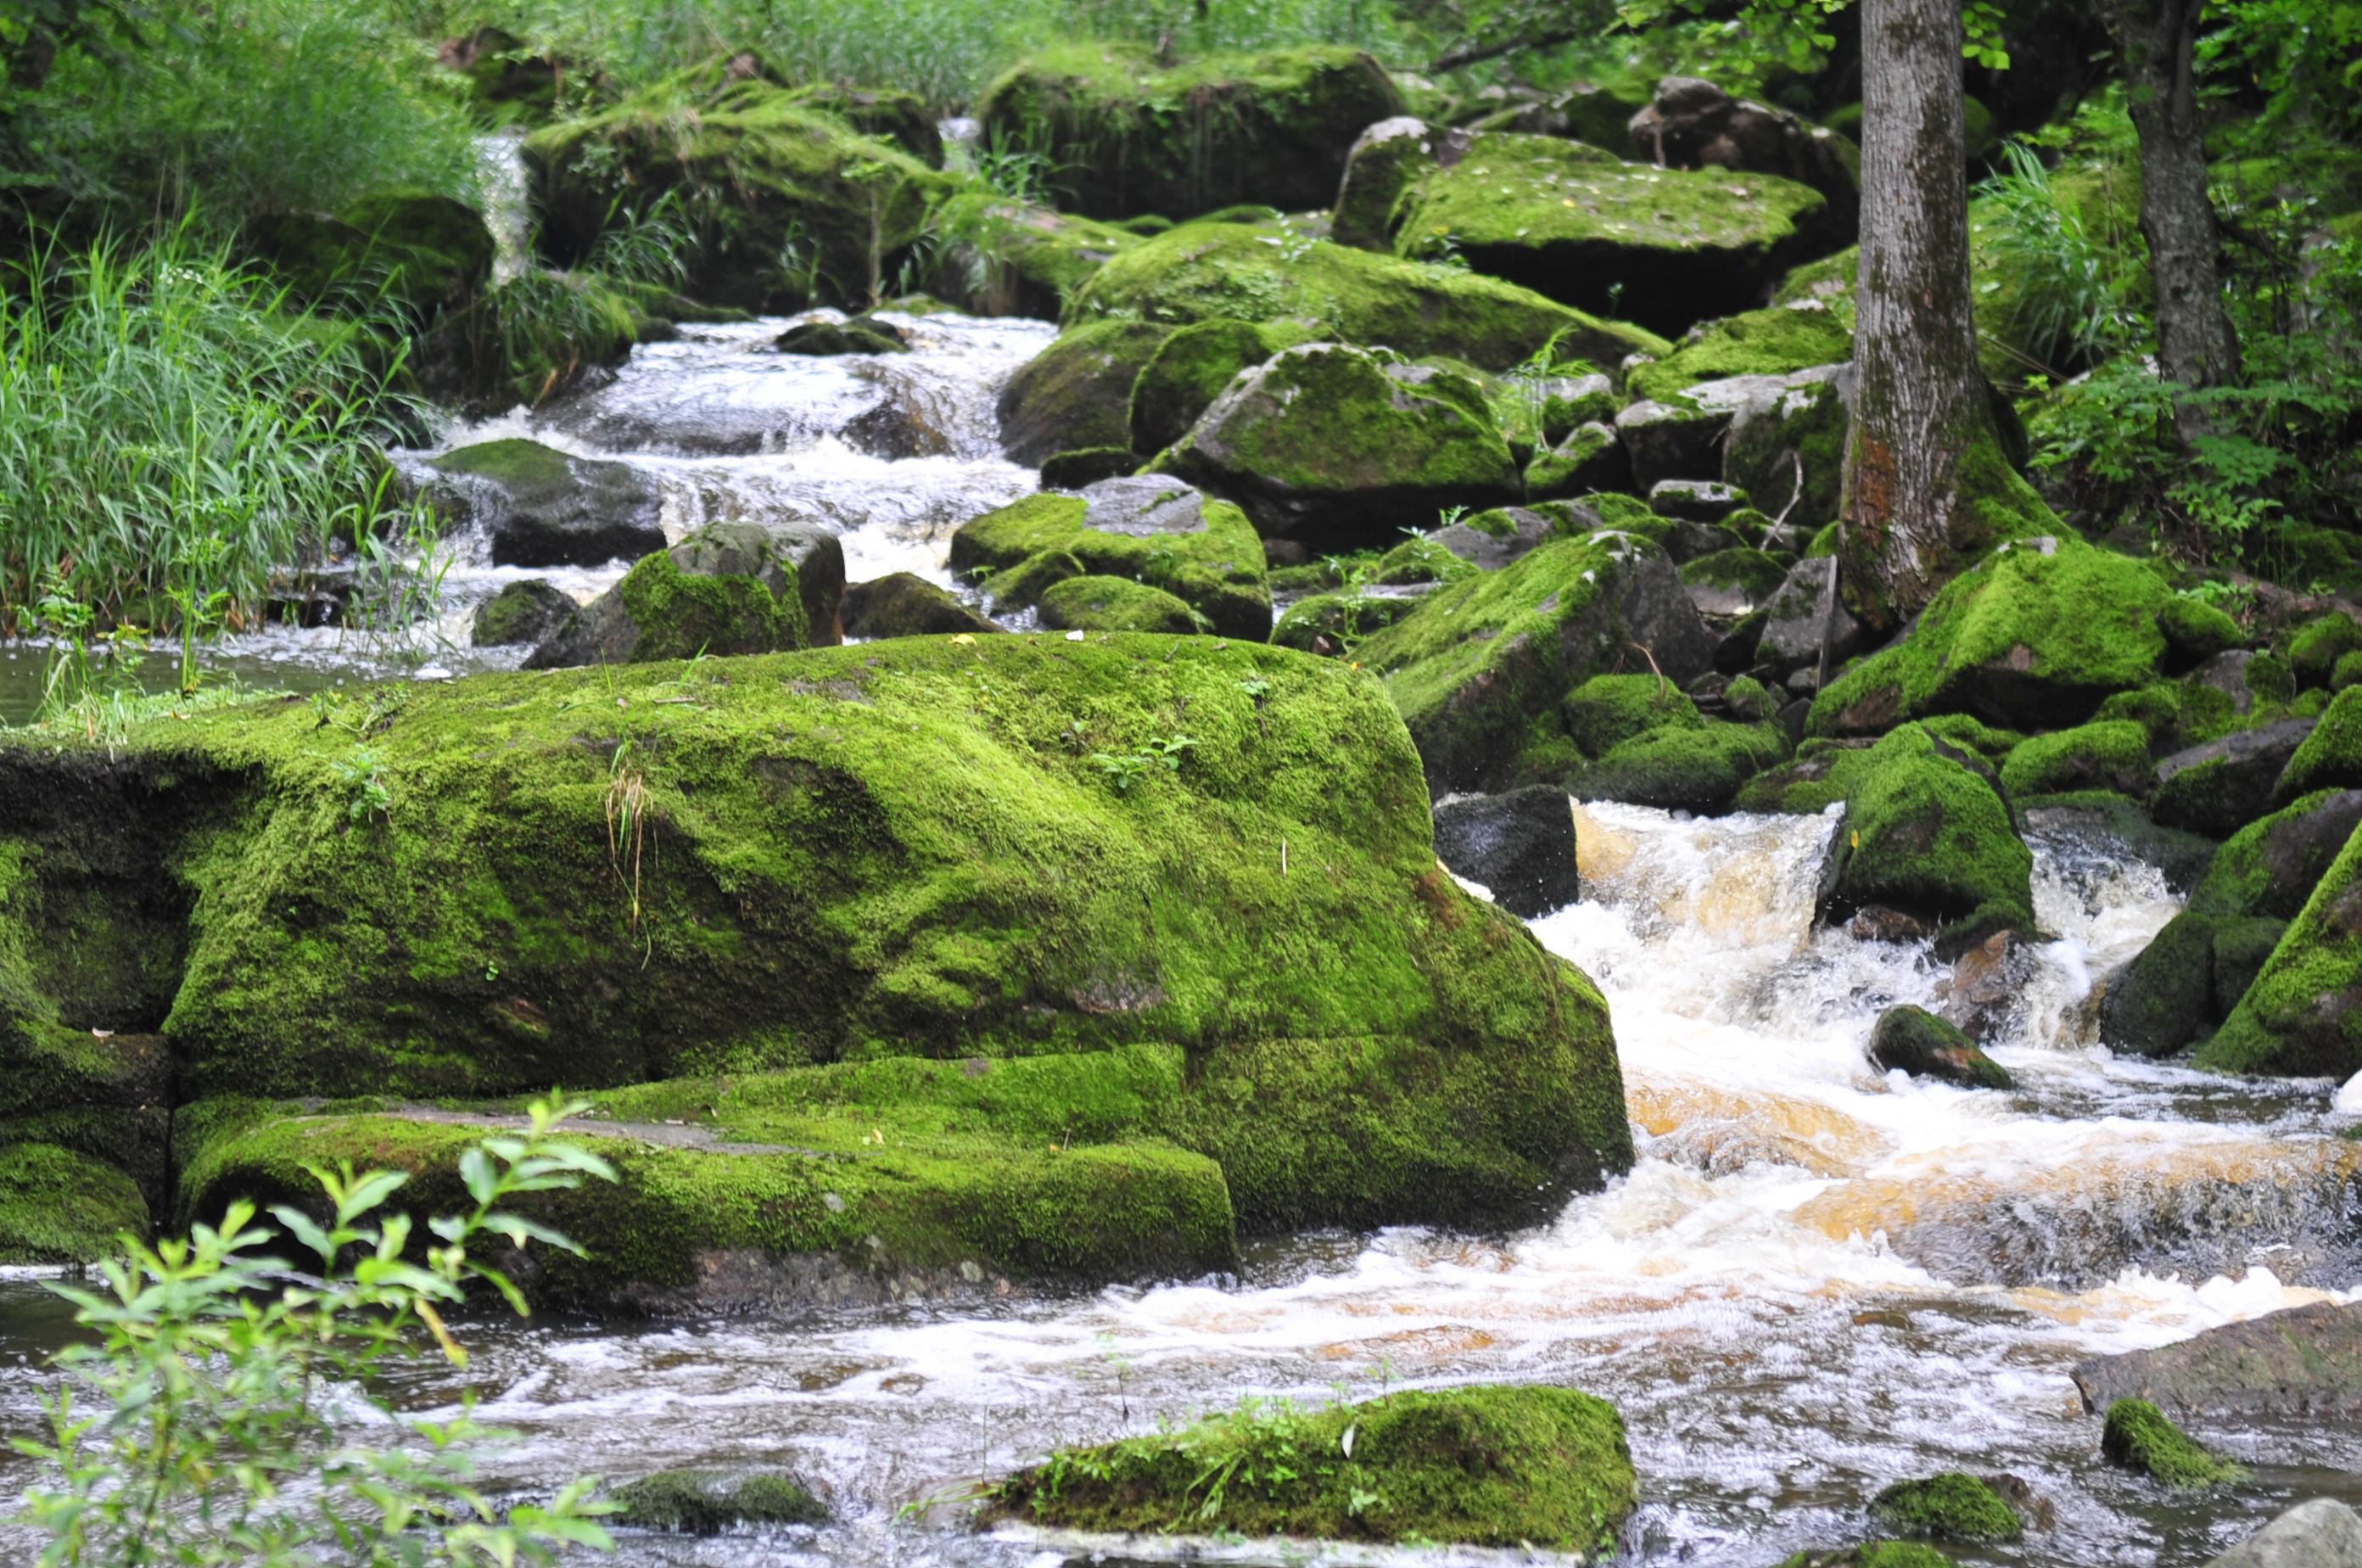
x=1927 y=489
x=2156 y=45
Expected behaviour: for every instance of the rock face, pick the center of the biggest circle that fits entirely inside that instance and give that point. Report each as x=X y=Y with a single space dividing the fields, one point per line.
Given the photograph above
x=2220 y=787
x=1693 y=124
x=1335 y=446
x=875 y=887
x=1520 y=846
x=2304 y=1362
x=1207 y=272
x=545 y=508
x=1128 y=136
x=734 y=588
x=1074 y=393
x=1662 y=247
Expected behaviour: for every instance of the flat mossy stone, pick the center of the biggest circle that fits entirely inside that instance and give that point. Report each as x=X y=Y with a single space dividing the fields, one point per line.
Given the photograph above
x=1662 y=247
x=2138 y=1437
x=1074 y=392
x=1927 y=833
x=2029 y=638
x=1522 y=1467
x=2302 y=1016
x=1128 y=132
x=1606 y=710
x=826 y=339
x=1114 y=604
x=1204 y=272
x=1192 y=367
x=1950 y=1506
x=1154 y=530
x=709 y=1502
x=1774 y=341
x=866 y=857
x=2109 y=753
x=60 y=1207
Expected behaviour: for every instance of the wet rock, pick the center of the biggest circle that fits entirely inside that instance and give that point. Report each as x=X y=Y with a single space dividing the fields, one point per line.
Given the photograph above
x=2298 y=1016
x=1520 y=846
x=730 y=588
x=1693 y=124
x=1871 y=1554
x=1805 y=623
x=2220 y=787
x=2323 y=1533
x=2304 y=1362
x=1987 y=983
x=547 y=508
x=522 y=612
x=61 y=1206
x=709 y=1502
x=907 y=605
x=1694 y=501
x=2164 y=999
x=1929 y=833
x=1878 y=922
x=1666 y=441
x=1077 y=391
x=1681 y=768
x=1912 y=1040
x=857 y=334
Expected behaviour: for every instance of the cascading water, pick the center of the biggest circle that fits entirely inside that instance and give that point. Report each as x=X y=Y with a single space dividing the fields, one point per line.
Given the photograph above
x=1816 y=1279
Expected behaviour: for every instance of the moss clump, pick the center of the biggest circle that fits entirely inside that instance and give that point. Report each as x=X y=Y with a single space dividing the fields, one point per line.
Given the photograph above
x=2196 y=631
x=2111 y=754
x=1733 y=581
x=1681 y=768
x=1770 y=342
x=1914 y=1041
x=681 y=615
x=1927 y=833
x=1203 y=272
x=2317 y=646
x=1191 y=368
x=1750 y=701
x=1950 y=1507
x=1216 y=567
x=2138 y=1437
x=2331 y=757
x=1874 y=1554
x=1115 y=604
x=1074 y=393
x=1483 y=1466
x=1608 y=709
x=2024 y=638
x=1423 y=561
x=2303 y=1013
x=708 y=1502
x=1128 y=133
x=1337 y=622
x=58 y=1207
x=1576 y=223
x=1972 y=734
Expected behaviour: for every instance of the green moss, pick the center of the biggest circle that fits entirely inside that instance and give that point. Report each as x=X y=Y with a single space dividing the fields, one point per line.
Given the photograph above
x=1874 y=1554
x=1115 y=604
x=1489 y=1466
x=2109 y=755
x=1006 y=257
x=1342 y=620
x=1128 y=133
x=2195 y=630
x=58 y=1207
x=683 y=614
x=1204 y=272
x=1681 y=768
x=2331 y=757
x=1914 y=1041
x=1074 y=393
x=2346 y=672
x=1606 y=710
x=1023 y=585
x=2319 y=644
x=2138 y=1437
x=1927 y=833
x=1972 y=734
x=1217 y=570
x=1736 y=580
x=1421 y=560
x=2303 y=1013
x=2022 y=638
x=1770 y=342
x=1591 y=455
x=1748 y=700
x=1824 y=543
x=708 y=1502
x=1950 y=1507
x=1191 y=369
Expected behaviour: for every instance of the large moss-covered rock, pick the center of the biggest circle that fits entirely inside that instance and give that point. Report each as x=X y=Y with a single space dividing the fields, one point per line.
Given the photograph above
x=788 y=203
x=2303 y=1013
x=1696 y=769
x=545 y=508
x=523 y=613
x=1334 y=446
x=845 y=892
x=1076 y=393
x=2034 y=635
x=1531 y=1466
x=2219 y=786
x=1479 y=671
x=730 y=588
x=1202 y=272
x=905 y=604
x=2330 y=758
x=1929 y=833
x=2111 y=754
x=1158 y=531
x=1127 y=134
x=60 y=1207
x=1664 y=247
x=1192 y=367
x=1777 y=341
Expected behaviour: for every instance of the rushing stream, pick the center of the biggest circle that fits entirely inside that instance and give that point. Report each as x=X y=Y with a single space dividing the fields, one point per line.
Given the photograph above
x=1817 y=1279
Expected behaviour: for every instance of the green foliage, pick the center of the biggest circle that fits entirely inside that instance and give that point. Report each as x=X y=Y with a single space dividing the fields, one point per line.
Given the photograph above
x=2074 y=290
x=194 y=1429
x=2140 y=1437
x=1125 y=769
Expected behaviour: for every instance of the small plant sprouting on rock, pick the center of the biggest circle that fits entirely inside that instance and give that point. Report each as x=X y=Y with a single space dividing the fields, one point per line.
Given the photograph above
x=362 y=776
x=1123 y=769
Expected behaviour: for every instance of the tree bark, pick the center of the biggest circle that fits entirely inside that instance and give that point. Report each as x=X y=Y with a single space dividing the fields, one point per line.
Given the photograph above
x=2156 y=45
x=1927 y=489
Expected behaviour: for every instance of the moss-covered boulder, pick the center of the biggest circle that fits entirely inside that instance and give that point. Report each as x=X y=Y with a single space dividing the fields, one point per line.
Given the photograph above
x=1591 y=459
x=862 y=334
x=1203 y=272
x=2219 y=786
x=1126 y=133
x=2303 y=1013
x=1156 y=531
x=1929 y=833
x=1950 y=1507
x=1785 y=446
x=789 y=204
x=1075 y=392
x=2035 y=635
x=708 y=1502
x=420 y=251
x=1530 y=1466
x=1385 y=165
x=905 y=604
x=1192 y=367
x=1480 y=670
x=1777 y=341
x=2195 y=632
x=542 y=507
x=522 y=612
x=730 y=588
x=998 y=257
x=2315 y=648
x=1115 y=604
x=1662 y=247
x=1912 y=1040
x=1733 y=581
x=2138 y=1437
x=1686 y=767
x=1872 y=1555
x=1336 y=447
x=2109 y=754
x=60 y=1207
x=2331 y=757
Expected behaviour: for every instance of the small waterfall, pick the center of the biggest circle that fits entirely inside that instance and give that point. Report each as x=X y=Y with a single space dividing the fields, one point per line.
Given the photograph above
x=508 y=202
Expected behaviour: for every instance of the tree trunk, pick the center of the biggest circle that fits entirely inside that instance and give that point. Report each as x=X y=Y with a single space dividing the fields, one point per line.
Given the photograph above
x=1927 y=488
x=2157 y=43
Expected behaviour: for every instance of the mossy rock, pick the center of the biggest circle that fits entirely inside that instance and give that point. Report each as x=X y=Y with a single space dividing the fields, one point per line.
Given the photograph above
x=1206 y=271
x=1733 y=581
x=1950 y=1507
x=1385 y=163
x=1423 y=560
x=2331 y=757
x=1074 y=392
x=708 y=1502
x=1590 y=459
x=1330 y=623
x=2302 y=1015
x=1192 y=367
x=2111 y=753
x=1750 y=701
x=2195 y=631
x=905 y=604
x=2138 y=1437
x=1127 y=134
x=419 y=251
x=730 y=588
x=1115 y=604
x=1786 y=447
x=1775 y=341
x=1606 y=710
x=542 y=507
x=1914 y=1041
x=60 y=1207
x=1927 y=833
x=522 y=612
x=1531 y=1466
x=1872 y=1555
x=1662 y=247
x=854 y=334
x=757 y=170
x=1485 y=661
x=2028 y=638
x=1165 y=535
x=1695 y=769
x=1084 y=466
x=2317 y=646
x=1336 y=447
x=1000 y=257
x=904 y=118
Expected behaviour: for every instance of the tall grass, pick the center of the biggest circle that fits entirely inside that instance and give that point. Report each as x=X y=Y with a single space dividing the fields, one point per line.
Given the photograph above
x=170 y=435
